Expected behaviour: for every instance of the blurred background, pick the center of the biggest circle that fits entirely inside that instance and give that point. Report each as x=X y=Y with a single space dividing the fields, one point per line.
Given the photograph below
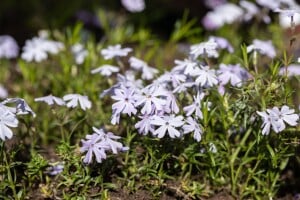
x=23 y=19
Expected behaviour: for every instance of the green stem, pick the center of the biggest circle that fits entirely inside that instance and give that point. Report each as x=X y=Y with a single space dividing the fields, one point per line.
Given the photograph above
x=9 y=175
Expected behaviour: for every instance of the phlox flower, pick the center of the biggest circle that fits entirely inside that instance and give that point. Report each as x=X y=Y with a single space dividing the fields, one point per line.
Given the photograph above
x=74 y=99
x=222 y=43
x=174 y=77
x=171 y=103
x=134 y=5
x=93 y=146
x=106 y=70
x=276 y=118
x=206 y=77
x=292 y=70
x=167 y=124
x=187 y=66
x=126 y=99
x=151 y=100
x=7 y=119
x=50 y=100
x=98 y=143
x=252 y=10
x=193 y=126
x=8 y=47
x=144 y=126
x=20 y=108
x=79 y=53
x=55 y=168
x=269 y=4
x=114 y=51
x=208 y=49
x=233 y=74
x=37 y=48
x=139 y=65
x=263 y=47
x=223 y=14
x=195 y=107
x=214 y=3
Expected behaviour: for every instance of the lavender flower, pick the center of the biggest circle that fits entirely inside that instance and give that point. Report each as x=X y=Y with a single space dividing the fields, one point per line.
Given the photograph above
x=74 y=99
x=167 y=124
x=3 y=92
x=276 y=118
x=264 y=47
x=292 y=70
x=144 y=126
x=55 y=168
x=234 y=74
x=151 y=100
x=98 y=143
x=188 y=66
x=114 y=51
x=252 y=10
x=222 y=43
x=126 y=100
x=8 y=47
x=206 y=77
x=20 y=108
x=7 y=119
x=139 y=65
x=105 y=70
x=193 y=126
x=208 y=49
x=195 y=107
x=50 y=100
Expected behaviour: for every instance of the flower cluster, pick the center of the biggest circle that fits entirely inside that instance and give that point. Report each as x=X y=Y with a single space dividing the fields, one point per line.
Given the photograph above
x=276 y=118
x=8 y=115
x=98 y=143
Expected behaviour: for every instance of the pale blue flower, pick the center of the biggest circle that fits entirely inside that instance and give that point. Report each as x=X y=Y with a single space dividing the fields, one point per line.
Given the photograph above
x=144 y=126
x=134 y=5
x=50 y=100
x=114 y=51
x=167 y=125
x=7 y=119
x=73 y=100
x=263 y=47
x=206 y=77
x=105 y=70
x=8 y=47
x=193 y=126
x=195 y=107
x=126 y=99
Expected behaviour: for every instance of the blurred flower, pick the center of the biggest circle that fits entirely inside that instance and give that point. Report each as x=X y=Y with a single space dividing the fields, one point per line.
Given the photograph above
x=292 y=70
x=167 y=124
x=79 y=53
x=206 y=77
x=20 y=108
x=193 y=126
x=114 y=51
x=214 y=3
x=7 y=119
x=234 y=74
x=55 y=168
x=222 y=43
x=8 y=47
x=139 y=65
x=212 y=148
x=188 y=66
x=269 y=4
x=208 y=49
x=37 y=48
x=105 y=70
x=263 y=47
x=50 y=100
x=134 y=5
x=221 y=15
x=74 y=99
x=3 y=92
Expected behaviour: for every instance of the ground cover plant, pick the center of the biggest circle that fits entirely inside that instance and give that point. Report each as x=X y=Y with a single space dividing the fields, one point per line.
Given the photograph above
x=212 y=112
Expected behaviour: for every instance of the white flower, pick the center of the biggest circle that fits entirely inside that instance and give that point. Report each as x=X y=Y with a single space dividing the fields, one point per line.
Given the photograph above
x=7 y=119
x=20 y=108
x=37 y=48
x=8 y=47
x=79 y=53
x=74 y=99
x=50 y=100
x=193 y=126
x=208 y=49
x=167 y=124
x=105 y=70
x=114 y=51
x=133 y=5
x=206 y=77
